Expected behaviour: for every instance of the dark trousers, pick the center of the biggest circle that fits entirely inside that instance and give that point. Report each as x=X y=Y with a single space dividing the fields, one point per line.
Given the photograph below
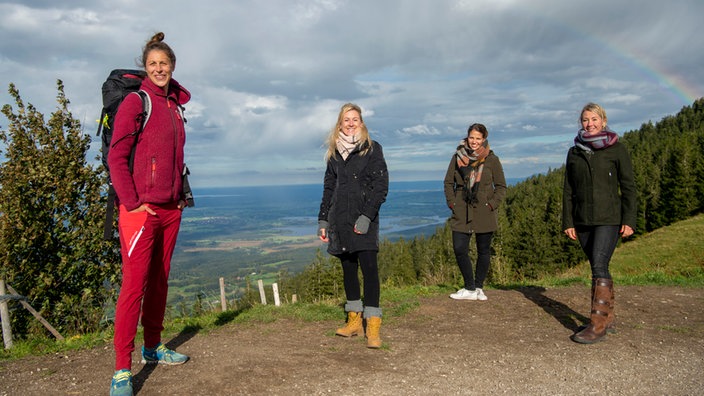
x=351 y=262
x=460 y=244
x=599 y=243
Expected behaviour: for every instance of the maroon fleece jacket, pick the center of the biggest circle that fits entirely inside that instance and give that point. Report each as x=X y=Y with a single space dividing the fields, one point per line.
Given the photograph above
x=158 y=161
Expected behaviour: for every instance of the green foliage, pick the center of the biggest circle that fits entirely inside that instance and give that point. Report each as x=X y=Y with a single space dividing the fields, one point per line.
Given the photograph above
x=668 y=161
x=671 y=255
x=52 y=209
x=318 y=282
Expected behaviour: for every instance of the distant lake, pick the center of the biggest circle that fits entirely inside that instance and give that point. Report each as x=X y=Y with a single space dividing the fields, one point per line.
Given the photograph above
x=293 y=209
x=411 y=208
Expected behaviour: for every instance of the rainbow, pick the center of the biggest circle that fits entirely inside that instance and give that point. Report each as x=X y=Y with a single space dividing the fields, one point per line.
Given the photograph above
x=683 y=90
x=677 y=84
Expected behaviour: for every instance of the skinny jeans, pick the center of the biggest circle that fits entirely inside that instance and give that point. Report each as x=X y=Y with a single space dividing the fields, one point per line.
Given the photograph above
x=460 y=245
x=367 y=260
x=147 y=244
x=599 y=243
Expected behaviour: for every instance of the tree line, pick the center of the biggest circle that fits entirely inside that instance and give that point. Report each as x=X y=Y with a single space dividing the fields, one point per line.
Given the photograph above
x=52 y=212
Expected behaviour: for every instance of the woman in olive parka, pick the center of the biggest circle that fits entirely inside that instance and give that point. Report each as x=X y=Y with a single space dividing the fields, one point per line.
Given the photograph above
x=475 y=186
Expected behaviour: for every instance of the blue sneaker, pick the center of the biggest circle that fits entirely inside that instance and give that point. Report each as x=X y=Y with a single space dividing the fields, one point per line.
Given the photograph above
x=121 y=383
x=163 y=355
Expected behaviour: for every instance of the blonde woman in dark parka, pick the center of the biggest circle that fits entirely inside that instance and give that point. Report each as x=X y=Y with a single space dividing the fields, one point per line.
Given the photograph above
x=355 y=185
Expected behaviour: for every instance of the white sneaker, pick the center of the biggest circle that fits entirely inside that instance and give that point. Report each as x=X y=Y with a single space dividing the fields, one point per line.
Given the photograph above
x=481 y=296
x=464 y=294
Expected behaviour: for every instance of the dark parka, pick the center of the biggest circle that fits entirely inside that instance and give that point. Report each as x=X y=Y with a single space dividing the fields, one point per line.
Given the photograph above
x=599 y=188
x=492 y=189
x=353 y=187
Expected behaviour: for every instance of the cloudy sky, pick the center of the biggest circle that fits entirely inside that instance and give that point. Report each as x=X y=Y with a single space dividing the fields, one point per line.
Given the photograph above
x=269 y=77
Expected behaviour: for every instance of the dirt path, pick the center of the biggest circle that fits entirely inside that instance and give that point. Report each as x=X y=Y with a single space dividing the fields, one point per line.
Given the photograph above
x=515 y=343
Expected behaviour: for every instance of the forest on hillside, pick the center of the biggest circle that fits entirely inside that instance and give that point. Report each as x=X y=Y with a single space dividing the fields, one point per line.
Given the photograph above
x=668 y=161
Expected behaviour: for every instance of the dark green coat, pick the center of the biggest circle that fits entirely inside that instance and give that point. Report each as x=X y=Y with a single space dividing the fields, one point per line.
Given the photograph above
x=353 y=187
x=480 y=217
x=599 y=188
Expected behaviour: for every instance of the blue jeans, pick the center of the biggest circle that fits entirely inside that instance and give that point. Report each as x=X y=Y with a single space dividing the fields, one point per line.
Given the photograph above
x=599 y=243
x=460 y=245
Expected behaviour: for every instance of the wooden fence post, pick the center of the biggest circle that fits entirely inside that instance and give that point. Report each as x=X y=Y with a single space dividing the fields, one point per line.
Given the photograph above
x=41 y=320
x=262 y=295
x=5 y=317
x=275 y=288
x=223 y=301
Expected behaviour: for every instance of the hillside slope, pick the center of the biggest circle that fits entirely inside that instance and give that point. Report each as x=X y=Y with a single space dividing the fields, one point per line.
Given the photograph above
x=515 y=343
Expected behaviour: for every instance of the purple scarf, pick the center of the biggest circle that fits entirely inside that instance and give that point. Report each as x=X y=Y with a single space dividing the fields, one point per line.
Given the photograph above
x=601 y=140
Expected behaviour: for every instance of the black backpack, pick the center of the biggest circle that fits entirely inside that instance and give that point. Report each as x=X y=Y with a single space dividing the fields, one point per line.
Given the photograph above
x=119 y=84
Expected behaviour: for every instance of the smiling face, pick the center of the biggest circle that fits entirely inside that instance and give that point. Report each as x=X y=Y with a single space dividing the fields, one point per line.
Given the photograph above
x=475 y=139
x=592 y=123
x=159 y=68
x=351 y=123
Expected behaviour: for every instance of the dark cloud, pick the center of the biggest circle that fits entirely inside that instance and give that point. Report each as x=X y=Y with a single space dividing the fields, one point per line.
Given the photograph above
x=271 y=76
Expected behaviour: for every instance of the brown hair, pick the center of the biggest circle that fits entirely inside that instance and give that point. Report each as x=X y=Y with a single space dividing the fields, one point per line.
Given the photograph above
x=479 y=128
x=157 y=43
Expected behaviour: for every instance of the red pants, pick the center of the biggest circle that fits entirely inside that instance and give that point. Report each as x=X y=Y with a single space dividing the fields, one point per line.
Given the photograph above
x=147 y=244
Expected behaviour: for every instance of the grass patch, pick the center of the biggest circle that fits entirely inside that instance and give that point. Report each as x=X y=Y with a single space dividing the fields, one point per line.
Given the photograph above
x=299 y=311
x=675 y=329
x=668 y=256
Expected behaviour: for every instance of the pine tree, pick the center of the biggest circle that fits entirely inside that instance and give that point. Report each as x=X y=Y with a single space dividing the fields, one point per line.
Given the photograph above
x=52 y=209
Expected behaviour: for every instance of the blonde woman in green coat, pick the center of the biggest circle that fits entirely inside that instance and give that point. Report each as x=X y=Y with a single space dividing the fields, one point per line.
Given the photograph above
x=475 y=186
x=598 y=205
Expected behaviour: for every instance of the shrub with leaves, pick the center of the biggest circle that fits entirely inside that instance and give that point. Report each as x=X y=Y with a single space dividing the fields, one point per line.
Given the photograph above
x=52 y=210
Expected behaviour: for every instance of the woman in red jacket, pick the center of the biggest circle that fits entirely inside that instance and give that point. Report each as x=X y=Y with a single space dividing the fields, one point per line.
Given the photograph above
x=150 y=201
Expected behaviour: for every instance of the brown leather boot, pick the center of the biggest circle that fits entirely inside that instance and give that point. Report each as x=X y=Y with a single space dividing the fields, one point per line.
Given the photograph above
x=611 y=318
x=373 y=326
x=353 y=327
x=601 y=306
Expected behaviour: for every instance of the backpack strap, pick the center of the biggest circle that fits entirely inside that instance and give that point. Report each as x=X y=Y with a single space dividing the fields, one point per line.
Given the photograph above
x=146 y=107
x=143 y=117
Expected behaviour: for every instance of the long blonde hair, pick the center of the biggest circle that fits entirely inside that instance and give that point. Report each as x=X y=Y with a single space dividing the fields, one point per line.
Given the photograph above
x=365 y=140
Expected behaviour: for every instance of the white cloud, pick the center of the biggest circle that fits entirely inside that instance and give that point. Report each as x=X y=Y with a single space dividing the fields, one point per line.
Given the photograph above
x=420 y=130
x=268 y=78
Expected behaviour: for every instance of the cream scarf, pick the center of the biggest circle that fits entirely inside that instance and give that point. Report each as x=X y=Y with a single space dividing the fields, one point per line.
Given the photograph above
x=347 y=144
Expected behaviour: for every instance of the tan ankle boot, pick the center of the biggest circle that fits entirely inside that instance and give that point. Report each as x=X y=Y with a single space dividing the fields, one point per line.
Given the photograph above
x=353 y=327
x=373 y=326
x=601 y=306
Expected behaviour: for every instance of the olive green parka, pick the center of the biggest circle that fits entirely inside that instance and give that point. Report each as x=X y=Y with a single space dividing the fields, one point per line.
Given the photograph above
x=480 y=217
